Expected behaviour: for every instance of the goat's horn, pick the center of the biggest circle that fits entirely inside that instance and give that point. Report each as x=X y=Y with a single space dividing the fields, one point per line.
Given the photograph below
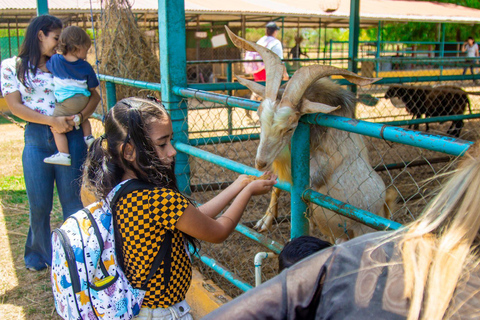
x=256 y=87
x=305 y=76
x=273 y=65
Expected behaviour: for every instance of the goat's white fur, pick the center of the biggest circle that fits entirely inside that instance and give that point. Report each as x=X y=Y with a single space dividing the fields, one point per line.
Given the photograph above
x=339 y=167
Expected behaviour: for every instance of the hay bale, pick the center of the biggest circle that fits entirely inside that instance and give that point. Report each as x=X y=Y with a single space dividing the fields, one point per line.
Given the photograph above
x=124 y=50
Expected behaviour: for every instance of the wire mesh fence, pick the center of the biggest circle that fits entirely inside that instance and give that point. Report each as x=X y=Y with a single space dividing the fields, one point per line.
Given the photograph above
x=208 y=120
x=409 y=173
x=417 y=93
x=9 y=46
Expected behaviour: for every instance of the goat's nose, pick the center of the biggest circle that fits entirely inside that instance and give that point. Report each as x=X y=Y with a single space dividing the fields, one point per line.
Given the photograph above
x=260 y=164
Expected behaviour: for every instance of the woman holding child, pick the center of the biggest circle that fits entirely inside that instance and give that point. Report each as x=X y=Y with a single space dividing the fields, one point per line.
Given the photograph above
x=28 y=88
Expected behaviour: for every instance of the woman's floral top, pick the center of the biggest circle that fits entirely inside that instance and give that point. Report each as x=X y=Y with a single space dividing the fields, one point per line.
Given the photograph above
x=38 y=95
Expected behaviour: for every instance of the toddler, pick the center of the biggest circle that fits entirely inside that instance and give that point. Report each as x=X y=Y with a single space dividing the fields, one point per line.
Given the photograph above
x=74 y=81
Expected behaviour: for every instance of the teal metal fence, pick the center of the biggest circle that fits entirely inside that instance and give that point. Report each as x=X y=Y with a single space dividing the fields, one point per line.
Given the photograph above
x=214 y=155
x=9 y=46
x=216 y=136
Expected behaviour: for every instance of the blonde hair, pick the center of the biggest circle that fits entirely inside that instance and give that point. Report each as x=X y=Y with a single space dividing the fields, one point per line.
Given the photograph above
x=438 y=246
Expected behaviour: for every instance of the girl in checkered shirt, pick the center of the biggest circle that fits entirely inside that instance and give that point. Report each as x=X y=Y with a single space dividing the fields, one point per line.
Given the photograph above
x=138 y=145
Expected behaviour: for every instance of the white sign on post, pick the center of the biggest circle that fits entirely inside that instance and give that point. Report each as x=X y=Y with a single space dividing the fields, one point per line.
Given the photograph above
x=219 y=40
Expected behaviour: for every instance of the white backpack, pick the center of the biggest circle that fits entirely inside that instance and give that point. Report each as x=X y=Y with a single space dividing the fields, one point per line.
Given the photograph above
x=87 y=281
x=254 y=67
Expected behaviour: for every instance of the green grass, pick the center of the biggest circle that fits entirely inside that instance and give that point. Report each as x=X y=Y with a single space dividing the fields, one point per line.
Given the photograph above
x=4 y=120
x=23 y=294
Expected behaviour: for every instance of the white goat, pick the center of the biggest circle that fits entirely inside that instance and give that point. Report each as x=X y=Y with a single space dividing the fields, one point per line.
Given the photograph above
x=339 y=164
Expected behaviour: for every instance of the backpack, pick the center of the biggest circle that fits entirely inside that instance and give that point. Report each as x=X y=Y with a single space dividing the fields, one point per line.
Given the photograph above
x=254 y=67
x=87 y=281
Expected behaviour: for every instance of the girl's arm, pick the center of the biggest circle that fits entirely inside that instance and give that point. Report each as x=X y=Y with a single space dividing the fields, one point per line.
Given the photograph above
x=60 y=124
x=200 y=226
x=213 y=207
x=91 y=105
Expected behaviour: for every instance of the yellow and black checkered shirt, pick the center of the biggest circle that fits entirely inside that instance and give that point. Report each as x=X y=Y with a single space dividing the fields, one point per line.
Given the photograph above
x=143 y=217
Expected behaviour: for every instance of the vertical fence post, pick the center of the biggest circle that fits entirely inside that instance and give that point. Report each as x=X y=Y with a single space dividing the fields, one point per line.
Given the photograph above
x=442 y=46
x=379 y=47
x=354 y=33
x=319 y=37
x=111 y=90
x=229 y=108
x=42 y=7
x=173 y=66
x=331 y=50
x=9 y=39
x=300 y=180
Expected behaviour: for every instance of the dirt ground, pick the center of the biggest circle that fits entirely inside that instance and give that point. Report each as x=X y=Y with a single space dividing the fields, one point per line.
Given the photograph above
x=412 y=183
x=237 y=252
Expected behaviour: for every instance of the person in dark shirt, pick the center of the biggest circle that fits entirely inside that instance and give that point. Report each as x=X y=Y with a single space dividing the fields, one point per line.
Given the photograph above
x=296 y=51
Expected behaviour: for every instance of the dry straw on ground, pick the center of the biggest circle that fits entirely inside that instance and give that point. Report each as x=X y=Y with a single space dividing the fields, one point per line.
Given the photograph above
x=124 y=51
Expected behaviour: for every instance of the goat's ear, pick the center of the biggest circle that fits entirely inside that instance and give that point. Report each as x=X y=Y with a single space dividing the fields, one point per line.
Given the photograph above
x=315 y=107
x=256 y=88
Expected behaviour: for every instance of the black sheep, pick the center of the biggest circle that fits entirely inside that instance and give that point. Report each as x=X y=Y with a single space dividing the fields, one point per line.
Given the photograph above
x=447 y=101
x=413 y=97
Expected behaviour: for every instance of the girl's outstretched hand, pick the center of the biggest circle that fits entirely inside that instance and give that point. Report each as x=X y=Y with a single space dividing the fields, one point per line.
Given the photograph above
x=243 y=180
x=261 y=185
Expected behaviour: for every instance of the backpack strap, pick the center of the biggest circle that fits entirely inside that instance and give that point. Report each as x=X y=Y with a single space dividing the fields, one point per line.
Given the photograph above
x=98 y=235
x=165 y=252
x=127 y=187
x=165 y=255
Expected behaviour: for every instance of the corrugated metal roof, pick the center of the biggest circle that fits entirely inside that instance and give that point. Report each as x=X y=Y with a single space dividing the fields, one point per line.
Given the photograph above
x=385 y=10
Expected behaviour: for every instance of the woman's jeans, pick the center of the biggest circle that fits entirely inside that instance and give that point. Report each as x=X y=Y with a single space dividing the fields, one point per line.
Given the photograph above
x=39 y=181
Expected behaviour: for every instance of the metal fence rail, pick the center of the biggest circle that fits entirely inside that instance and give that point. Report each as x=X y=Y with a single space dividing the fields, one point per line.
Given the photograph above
x=217 y=136
x=301 y=194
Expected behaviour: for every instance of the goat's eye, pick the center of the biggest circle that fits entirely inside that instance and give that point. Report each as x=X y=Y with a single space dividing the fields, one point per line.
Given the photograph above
x=290 y=130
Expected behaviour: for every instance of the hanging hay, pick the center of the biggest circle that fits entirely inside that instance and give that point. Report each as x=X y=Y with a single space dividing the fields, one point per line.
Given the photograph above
x=124 y=51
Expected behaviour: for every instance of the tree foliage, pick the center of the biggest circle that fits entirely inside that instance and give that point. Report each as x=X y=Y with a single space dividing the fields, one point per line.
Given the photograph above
x=420 y=31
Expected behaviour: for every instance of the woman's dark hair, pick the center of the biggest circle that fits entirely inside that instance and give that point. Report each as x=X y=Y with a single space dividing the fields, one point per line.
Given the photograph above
x=30 y=52
x=298 y=249
x=127 y=122
x=72 y=39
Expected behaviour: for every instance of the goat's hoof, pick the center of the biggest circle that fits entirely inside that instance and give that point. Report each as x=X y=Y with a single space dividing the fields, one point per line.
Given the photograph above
x=264 y=224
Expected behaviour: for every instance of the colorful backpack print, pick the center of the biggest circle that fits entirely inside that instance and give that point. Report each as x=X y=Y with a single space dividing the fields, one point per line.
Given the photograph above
x=87 y=281
x=253 y=67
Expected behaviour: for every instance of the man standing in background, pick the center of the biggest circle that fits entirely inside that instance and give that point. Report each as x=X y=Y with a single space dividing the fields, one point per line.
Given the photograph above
x=269 y=41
